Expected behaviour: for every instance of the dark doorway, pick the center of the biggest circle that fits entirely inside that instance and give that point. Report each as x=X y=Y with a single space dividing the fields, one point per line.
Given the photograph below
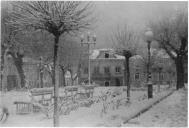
x=106 y=55
x=11 y=82
x=117 y=81
x=107 y=83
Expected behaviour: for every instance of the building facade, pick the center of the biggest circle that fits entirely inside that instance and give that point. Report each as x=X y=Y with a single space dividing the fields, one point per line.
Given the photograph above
x=106 y=68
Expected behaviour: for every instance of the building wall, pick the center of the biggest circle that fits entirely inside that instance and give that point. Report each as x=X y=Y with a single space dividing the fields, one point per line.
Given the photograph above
x=164 y=77
x=104 y=64
x=138 y=76
x=137 y=72
x=101 y=77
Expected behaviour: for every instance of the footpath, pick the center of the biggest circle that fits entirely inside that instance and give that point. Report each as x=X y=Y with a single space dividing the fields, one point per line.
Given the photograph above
x=170 y=112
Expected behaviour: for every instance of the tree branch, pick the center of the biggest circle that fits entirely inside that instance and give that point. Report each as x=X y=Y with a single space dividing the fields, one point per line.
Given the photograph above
x=168 y=51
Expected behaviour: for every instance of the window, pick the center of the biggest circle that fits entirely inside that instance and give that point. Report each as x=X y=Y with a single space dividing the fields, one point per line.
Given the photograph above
x=85 y=70
x=106 y=70
x=118 y=69
x=137 y=70
x=96 y=70
x=161 y=76
x=137 y=75
x=106 y=55
x=107 y=83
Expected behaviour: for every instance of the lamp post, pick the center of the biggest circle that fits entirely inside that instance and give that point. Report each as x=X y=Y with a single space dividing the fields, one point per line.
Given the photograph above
x=160 y=81
x=149 y=38
x=91 y=40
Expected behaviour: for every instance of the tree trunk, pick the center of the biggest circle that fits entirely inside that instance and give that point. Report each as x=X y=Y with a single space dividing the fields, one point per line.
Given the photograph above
x=180 y=72
x=41 y=79
x=159 y=73
x=127 y=77
x=55 y=84
x=63 y=81
x=19 y=66
x=2 y=65
x=79 y=73
x=72 y=80
x=41 y=73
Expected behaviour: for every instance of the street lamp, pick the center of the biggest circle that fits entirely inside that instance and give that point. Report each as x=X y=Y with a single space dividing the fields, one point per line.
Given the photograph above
x=149 y=37
x=91 y=40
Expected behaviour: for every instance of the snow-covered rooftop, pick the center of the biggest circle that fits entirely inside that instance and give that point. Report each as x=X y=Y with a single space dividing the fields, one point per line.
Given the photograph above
x=137 y=57
x=119 y=56
x=96 y=52
x=162 y=54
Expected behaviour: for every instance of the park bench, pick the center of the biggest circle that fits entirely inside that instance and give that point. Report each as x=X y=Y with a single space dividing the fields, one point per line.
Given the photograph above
x=23 y=107
x=70 y=93
x=74 y=93
x=88 y=91
x=71 y=90
x=43 y=96
x=75 y=96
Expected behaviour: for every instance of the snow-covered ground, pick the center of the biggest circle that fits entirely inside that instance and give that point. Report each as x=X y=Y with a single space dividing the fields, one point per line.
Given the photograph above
x=171 y=112
x=83 y=116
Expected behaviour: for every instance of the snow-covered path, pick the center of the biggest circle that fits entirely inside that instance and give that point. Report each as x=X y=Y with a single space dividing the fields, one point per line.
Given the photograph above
x=171 y=112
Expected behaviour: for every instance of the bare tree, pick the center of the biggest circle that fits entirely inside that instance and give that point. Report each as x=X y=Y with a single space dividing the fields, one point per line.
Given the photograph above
x=172 y=36
x=55 y=17
x=124 y=40
x=38 y=44
x=10 y=43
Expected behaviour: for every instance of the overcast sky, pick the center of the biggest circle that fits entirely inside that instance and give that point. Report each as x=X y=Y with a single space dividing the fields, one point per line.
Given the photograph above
x=134 y=13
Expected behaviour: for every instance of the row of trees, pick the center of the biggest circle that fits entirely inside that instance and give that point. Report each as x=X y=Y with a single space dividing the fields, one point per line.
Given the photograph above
x=171 y=34
x=38 y=27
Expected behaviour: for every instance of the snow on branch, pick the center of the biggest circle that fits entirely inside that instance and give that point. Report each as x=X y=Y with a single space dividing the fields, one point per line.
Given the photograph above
x=56 y=17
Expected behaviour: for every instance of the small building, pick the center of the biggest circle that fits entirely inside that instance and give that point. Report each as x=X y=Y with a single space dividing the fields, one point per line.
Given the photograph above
x=106 y=68
x=162 y=70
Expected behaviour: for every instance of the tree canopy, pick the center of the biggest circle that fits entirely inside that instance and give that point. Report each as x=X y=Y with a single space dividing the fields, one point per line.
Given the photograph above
x=56 y=17
x=172 y=33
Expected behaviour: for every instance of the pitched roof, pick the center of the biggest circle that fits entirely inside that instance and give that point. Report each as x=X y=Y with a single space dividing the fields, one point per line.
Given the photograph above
x=96 y=52
x=136 y=57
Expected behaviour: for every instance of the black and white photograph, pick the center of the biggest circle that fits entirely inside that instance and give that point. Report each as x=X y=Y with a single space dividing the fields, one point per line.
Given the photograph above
x=94 y=64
